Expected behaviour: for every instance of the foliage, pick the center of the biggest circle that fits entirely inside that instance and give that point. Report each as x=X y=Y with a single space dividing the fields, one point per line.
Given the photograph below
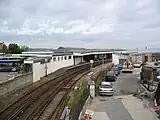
x=16 y=49
x=3 y=48
x=24 y=48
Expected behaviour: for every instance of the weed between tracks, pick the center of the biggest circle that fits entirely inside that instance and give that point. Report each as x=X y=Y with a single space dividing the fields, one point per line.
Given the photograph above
x=69 y=96
x=77 y=95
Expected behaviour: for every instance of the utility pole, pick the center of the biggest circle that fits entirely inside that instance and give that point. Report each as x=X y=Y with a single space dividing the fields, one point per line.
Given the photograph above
x=136 y=54
x=104 y=68
x=46 y=67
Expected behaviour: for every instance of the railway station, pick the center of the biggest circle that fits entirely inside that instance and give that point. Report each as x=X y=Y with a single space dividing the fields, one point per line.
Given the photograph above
x=44 y=64
x=79 y=60
x=50 y=61
x=34 y=65
x=66 y=73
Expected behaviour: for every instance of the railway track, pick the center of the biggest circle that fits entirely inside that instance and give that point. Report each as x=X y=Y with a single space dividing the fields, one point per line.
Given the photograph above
x=34 y=104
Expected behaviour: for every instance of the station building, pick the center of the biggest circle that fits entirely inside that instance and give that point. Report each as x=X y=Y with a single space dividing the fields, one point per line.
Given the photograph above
x=46 y=62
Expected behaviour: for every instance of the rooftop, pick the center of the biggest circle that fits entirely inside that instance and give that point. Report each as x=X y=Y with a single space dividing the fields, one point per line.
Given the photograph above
x=72 y=49
x=62 y=54
x=37 y=59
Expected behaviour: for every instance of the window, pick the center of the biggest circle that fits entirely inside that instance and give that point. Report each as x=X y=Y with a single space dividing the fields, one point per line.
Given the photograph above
x=58 y=58
x=69 y=57
x=54 y=59
x=65 y=57
x=61 y=58
x=106 y=86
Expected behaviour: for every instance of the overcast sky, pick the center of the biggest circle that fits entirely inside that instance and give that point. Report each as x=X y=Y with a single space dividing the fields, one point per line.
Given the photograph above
x=81 y=23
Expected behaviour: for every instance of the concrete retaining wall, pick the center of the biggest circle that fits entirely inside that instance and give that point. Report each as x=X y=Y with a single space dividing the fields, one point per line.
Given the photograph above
x=16 y=83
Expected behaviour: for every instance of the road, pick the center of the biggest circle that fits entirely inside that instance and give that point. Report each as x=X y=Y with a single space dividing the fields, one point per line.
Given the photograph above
x=123 y=105
x=127 y=83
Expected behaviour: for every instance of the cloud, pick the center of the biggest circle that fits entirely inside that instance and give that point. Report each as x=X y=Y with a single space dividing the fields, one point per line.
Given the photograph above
x=91 y=23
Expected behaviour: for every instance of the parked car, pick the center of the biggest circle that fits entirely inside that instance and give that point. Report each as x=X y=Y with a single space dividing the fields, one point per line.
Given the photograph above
x=110 y=77
x=120 y=66
x=106 y=88
x=116 y=70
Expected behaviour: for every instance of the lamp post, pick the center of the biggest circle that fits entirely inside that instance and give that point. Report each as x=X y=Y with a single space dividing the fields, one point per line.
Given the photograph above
x=136 y=54
x=46 y=66
x=103 y=65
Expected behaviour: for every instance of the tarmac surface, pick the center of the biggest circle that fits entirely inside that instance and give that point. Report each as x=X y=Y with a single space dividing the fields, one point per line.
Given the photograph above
x=123 y=105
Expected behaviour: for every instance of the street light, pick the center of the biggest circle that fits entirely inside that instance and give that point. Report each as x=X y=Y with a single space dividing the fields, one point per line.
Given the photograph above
x=46 y=66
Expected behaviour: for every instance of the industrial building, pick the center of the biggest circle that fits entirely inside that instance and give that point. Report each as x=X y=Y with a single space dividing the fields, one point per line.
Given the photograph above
x=144 y=57
x=150 y=73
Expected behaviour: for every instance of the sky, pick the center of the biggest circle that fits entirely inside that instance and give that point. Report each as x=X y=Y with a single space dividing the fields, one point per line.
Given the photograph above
x=81 y=23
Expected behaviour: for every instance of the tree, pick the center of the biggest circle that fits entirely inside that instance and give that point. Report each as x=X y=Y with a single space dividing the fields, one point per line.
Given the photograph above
x=14 y=48
x=24 y=48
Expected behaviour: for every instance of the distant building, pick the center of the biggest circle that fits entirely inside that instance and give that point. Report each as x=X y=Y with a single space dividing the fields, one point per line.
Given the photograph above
x=3 y=48
x=144 y=57
x=150 y=72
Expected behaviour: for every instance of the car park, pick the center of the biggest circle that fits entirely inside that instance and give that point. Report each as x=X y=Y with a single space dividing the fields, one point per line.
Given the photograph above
x=106 y=88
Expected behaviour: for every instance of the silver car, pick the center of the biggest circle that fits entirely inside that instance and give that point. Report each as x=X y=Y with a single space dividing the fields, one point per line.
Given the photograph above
x=106 y=88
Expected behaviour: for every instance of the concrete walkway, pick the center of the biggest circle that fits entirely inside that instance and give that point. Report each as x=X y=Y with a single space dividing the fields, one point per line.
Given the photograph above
x=124 y=107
